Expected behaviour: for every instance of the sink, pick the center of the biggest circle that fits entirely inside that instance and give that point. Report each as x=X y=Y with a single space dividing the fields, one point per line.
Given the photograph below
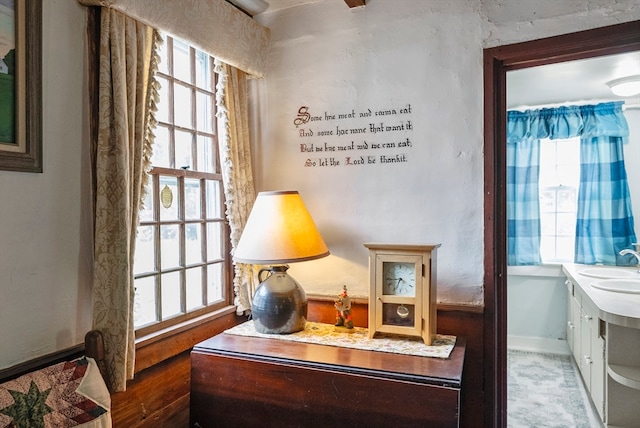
x=619 y=285
x=610 y=273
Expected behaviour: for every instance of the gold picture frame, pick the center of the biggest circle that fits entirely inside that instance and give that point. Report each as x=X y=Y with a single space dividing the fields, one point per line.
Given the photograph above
x=21 y=115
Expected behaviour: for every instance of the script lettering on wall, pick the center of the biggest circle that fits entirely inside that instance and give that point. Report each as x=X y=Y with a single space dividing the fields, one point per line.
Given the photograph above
x=354 y=138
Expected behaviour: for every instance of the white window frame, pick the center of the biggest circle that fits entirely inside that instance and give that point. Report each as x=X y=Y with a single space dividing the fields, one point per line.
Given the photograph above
x=153 y=219
x=554 y=179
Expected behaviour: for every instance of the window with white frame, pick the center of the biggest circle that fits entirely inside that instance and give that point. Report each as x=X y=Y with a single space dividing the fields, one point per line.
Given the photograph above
x=182 y=268
x=558 y=185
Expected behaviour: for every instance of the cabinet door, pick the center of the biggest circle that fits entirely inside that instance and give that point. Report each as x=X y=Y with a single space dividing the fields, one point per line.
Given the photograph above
x=585 y=346
x=596 y=357
x=577 y=328
x=570 y=323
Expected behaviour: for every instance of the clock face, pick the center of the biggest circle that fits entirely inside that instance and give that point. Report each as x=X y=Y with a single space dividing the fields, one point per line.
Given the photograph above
x=399 y=279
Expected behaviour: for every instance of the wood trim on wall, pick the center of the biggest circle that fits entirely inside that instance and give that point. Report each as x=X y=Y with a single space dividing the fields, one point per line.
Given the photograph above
x=497 y=61
x=41 y=362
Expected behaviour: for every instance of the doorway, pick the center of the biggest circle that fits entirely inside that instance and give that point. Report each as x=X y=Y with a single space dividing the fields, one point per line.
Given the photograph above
x=497 y=61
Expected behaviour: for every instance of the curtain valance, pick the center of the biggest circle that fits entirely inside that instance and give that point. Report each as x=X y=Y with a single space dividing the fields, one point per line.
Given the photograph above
x=214 y=26
x=605 y=120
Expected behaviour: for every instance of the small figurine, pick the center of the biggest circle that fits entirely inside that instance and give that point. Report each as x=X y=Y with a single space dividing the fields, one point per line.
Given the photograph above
x=343 y=310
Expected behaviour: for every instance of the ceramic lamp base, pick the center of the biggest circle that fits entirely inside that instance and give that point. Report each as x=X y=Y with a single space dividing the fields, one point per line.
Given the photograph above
x=280 y=304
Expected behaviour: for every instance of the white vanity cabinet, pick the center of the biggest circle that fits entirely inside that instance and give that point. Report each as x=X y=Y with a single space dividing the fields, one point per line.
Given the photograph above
x=603 y=333
x=585 y=336
x=623 y=376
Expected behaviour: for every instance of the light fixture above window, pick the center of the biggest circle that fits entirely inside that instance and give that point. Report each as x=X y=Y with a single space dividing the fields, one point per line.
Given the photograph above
x=625 y=86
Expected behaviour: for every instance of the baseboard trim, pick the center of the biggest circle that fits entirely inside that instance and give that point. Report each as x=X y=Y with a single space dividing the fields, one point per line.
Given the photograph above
x=538 y=344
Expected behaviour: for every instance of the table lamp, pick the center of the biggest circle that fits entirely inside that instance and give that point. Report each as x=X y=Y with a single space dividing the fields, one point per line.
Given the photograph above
x=279 y=230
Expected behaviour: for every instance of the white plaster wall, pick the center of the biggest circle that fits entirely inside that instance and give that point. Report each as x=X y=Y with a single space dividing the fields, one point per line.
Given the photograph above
x=330 y=58
x=427 y=53
x=45 y=226
x=513 y=21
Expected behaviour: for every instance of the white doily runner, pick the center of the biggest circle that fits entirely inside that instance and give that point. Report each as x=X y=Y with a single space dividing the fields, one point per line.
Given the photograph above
x=324 y=334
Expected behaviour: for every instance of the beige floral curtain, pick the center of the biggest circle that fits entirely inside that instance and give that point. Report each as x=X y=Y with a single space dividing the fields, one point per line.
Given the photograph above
x=235 y=158
x=126 y=101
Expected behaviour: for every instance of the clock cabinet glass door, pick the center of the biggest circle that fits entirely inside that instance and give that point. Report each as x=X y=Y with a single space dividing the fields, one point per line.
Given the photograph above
x=398 y=294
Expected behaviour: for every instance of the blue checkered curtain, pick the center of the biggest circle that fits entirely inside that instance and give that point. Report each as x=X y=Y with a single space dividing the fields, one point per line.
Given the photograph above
x=523 y=203
x=605 y=220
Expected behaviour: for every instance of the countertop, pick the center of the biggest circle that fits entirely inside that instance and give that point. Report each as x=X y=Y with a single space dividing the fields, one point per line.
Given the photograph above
x=616 y=308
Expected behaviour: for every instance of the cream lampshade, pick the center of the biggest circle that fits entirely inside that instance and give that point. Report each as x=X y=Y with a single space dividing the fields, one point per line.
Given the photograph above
x=279 y=230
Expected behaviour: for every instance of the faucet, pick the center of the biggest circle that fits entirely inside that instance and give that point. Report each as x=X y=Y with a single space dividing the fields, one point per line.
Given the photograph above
x=636 y=254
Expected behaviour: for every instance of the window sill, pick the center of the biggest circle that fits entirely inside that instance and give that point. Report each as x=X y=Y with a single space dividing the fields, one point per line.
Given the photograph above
x=156 y=347
x=547 y=270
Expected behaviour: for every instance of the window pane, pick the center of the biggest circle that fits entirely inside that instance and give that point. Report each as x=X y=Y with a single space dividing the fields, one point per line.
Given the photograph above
x=163 y=66
x=547 y=152
x=181 y=62
x=565 y=248
x=547 y=224
x=146 y=212
x=547 y=201
x=569 y=175
x=194 y=288
x=566 y=224
x=568 y=150
x=169 y=246
x=206 y=154
x=205 y=112
x=214 y=244
x=183 y=103
x=161 y=147
x=567 y=200
x=203 y=71
x=162 y=115
x=547 y=248
x=144 y=259
x=192 y=197
x=214 y=283
x=193 y=244
x=144 y=307
x=548 y=176
x=183 y=150
x=169 y=197
x=214 y=206
x=171 y=296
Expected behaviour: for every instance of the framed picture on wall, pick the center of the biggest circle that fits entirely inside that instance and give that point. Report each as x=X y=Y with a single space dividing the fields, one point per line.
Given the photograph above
x=21 y=85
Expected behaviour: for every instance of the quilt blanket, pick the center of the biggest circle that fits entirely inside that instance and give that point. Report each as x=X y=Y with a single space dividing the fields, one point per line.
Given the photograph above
x=68 y=394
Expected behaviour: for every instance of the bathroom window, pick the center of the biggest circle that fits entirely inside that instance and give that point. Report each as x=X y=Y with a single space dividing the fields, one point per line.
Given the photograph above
x=558 y=185
x=182 y=268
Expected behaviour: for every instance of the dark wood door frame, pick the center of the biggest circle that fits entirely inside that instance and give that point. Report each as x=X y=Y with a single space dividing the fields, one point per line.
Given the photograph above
x=497 y=61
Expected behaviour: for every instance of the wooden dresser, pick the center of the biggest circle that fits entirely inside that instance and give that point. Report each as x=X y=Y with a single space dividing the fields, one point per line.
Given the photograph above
x=239 y=381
